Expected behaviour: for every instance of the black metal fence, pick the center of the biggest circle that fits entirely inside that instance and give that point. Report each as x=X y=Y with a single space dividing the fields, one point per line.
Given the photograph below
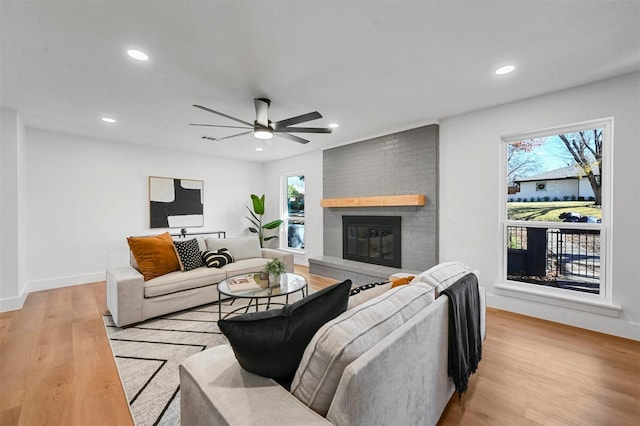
x=567 y=258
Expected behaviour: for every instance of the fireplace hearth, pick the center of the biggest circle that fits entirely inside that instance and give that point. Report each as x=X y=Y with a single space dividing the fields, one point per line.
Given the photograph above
x=372 y=239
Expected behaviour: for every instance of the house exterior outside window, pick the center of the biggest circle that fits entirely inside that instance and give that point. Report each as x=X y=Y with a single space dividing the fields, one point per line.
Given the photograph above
x=555 y=227
x=292 y=233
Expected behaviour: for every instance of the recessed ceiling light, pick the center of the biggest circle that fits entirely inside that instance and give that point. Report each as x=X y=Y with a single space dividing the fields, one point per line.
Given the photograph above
x=334 y=125
x=108 y=120
x=505 y=70
x=259 y=149
x=138 y=55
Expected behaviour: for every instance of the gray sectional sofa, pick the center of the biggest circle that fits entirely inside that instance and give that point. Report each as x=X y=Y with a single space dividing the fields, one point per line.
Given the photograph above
x=131 y=299
x=398 y=378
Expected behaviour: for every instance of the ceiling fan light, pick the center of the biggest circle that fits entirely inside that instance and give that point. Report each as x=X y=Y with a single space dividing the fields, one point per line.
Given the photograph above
x=263 y=133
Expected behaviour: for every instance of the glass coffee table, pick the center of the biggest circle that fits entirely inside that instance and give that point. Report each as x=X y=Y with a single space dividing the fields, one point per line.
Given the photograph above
x=289 y=283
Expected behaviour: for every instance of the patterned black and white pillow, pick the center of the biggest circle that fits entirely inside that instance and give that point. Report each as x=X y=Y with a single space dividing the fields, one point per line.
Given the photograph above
x=217 y=259
x=188 y=254
x=365 y=287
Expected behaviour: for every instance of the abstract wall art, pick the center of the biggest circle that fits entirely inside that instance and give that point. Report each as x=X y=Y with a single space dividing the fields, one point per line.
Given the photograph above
x=176 y=203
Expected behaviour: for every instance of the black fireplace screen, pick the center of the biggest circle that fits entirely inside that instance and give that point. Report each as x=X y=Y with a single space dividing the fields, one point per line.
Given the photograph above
x=372 y=239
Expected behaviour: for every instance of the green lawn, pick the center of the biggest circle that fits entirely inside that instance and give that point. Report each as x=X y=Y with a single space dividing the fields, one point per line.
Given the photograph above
x=549 y=211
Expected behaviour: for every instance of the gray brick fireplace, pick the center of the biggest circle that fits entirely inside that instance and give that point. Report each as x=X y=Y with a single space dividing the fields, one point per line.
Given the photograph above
x=396 y=164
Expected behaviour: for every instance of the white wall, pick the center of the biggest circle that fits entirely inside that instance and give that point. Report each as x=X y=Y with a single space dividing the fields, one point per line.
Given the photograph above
x=13 y=223
x=311 y=166
x=468 y=232
x=585 y=190
x=85 y=196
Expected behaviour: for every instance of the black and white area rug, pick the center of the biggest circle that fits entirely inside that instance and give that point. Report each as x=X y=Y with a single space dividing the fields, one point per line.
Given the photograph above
x=148 y=354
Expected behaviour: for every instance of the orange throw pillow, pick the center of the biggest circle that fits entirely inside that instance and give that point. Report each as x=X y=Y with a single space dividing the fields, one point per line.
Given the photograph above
x=155 y=255
x=397 y=282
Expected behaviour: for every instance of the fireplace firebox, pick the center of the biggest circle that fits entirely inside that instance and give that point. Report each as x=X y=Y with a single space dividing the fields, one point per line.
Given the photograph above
x=372 y=239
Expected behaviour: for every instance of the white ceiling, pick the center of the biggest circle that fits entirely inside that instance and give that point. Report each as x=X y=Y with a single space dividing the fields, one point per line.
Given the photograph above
x=372 y=67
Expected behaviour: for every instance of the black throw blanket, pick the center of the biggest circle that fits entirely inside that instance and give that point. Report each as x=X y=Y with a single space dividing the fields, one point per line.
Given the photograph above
x=465 y=340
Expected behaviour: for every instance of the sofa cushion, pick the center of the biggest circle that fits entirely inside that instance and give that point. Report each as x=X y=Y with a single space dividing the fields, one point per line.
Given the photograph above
x=361 y=294
x=245 y=266
x=442 y=275
x=340 y=341
x=188 y=254
x=217 y=259
x=178 y=281
x=155 y=255
x=271 y=343
x=240 y=248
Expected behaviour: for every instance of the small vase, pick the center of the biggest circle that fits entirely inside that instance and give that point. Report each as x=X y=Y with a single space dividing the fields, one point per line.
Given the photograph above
x=274 y=280
x=263 y=280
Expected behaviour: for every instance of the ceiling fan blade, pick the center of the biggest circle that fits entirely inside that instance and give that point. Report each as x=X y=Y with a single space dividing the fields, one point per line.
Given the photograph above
x=227 y=137
x=297 y=119
x=262 y=114
x=303 y=129
x=223 y=115
x=217 y=125
x=292 y=138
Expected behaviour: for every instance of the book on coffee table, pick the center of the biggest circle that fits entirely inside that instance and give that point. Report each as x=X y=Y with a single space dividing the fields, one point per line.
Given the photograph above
x=242 y=283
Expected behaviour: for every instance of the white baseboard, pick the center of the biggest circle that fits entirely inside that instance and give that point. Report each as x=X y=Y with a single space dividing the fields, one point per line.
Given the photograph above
x=67 y=281
x=602 y=324
x=13 y=303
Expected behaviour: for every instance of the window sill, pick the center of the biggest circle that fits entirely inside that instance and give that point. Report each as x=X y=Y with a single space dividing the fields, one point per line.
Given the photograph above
x=534 y=295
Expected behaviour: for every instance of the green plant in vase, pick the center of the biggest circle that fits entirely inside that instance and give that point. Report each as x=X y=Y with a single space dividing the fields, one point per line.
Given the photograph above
x=256 y=220
x=275 y=268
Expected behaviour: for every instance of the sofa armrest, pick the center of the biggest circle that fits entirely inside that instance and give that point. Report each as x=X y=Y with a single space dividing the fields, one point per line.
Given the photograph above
x=125 y=294
x=285 y=256
x=215 y=390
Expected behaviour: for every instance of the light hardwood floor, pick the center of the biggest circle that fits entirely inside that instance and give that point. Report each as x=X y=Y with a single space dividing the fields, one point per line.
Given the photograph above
x=56 y=368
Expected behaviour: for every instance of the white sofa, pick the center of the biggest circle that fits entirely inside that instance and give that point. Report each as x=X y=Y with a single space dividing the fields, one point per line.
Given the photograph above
x=400 y=380
x=131 y=299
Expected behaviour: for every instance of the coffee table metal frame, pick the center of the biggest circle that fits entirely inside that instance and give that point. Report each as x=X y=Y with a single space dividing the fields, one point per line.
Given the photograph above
x=289 y=283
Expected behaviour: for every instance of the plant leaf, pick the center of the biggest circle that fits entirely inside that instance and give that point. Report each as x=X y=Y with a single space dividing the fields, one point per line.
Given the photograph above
x=258 y=204
x=270 y=238
x=254 y=230
x=257 y=224
x=254 y=216
x=273 y=224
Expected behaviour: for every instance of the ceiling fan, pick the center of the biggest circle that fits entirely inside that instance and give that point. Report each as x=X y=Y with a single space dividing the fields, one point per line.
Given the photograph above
x=263 y=128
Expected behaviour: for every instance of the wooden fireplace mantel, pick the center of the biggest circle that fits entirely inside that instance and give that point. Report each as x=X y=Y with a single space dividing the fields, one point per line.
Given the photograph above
x=377 y=201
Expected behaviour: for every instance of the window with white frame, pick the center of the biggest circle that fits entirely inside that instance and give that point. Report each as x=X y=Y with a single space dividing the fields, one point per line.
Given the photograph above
x=293 y=208
x=555 y=227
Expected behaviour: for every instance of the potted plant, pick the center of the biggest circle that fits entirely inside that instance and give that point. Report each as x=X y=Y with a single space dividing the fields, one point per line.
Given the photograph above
x=275 y=268
x=256 y=219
